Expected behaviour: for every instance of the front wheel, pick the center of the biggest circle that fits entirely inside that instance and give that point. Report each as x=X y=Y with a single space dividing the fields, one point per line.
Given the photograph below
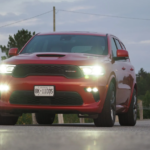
x=129 y=118
x=45 y=118
x=107 y=117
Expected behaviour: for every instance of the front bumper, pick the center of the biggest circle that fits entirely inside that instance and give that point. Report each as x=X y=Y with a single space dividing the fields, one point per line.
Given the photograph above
x=61 y=84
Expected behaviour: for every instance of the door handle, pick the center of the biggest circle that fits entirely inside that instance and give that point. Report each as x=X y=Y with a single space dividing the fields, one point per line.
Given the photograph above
x=123 y=68
x=131 y=69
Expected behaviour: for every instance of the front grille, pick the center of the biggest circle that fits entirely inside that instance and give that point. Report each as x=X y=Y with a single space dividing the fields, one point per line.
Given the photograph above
x=60 y=98
x=24 y=70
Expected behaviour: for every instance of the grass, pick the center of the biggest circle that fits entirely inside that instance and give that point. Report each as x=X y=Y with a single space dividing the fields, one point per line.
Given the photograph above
x=68 y=118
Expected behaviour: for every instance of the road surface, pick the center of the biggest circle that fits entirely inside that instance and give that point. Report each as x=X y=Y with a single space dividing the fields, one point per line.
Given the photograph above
x=75 y=137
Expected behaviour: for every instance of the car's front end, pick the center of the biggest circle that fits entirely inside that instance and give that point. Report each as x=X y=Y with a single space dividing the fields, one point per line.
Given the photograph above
x=56 y=73
x=69 y=87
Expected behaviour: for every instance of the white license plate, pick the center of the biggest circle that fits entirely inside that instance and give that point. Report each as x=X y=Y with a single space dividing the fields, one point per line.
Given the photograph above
x=44 y=90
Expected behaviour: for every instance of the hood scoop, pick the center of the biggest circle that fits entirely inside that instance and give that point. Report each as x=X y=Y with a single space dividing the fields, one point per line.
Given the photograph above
x=50 y=55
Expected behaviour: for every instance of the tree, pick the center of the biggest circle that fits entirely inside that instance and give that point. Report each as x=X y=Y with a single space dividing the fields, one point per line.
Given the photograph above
x=146 y=105
x=3 y=57
x=17 y=40
x=142 y=73
x=143 y=82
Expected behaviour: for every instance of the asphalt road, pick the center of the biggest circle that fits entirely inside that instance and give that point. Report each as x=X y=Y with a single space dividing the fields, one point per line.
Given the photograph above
x=75 y=137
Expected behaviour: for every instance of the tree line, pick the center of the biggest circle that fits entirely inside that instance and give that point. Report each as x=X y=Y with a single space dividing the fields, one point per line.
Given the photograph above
x=143 y=83
x=17 y=40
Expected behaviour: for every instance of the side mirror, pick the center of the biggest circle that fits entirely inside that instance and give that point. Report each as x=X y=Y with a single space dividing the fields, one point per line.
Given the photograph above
x=122 y=53
x=13 y=52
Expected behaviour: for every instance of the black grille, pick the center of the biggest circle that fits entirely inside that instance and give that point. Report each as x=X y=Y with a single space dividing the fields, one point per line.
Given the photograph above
x=61 y=98
x=68 y=71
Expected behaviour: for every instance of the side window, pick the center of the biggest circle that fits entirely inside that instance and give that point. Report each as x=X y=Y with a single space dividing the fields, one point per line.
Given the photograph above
x=118 y=44
x=123 y=46
x=113 y=47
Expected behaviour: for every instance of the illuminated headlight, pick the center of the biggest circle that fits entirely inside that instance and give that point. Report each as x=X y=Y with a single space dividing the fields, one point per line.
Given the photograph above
x=8 y=69
x=92 y=70
x=4 y=88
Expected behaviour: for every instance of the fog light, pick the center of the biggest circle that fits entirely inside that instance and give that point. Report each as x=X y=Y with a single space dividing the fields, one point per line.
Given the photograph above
x=89 y=90
x=4 y=88
x=95 y=89
x=92 y=89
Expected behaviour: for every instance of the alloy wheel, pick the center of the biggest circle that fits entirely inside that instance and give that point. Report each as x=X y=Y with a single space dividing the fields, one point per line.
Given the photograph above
x=113 y=107
x=135 y=107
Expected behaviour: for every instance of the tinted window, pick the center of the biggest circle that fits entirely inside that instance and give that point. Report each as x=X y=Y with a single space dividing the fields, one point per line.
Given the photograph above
x=114 y=48
x=118 y=44
x=68 y=43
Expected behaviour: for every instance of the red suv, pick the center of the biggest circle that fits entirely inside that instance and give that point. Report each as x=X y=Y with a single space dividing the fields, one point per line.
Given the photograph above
x=89 y=74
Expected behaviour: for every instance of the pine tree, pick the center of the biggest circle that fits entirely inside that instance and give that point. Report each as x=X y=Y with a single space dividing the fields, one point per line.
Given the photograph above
x=146 y=105
x=17 y=40
x=143 y=83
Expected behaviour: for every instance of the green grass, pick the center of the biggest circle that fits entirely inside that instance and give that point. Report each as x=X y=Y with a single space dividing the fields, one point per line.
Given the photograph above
x=68 y=118
x=25 y=119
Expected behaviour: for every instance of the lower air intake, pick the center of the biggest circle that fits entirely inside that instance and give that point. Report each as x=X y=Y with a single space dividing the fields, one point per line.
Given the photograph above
x=61 y=98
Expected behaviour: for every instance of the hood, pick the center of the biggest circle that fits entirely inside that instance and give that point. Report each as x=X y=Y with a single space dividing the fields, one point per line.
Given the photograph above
x=57 y=58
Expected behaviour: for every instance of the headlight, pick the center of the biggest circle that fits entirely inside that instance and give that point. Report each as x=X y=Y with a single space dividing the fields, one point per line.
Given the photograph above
x=4 y=88
x=8 y=69
x=92 y=70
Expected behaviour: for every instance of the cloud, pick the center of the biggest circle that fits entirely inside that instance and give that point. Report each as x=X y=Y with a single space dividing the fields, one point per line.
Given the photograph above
x=32 y=22
x=132 y=42
x=3 y=39
x=141 y=42
x=10 y=2
x=145 y=42
x=80 y=20
x=59 y=0
x=80 y=8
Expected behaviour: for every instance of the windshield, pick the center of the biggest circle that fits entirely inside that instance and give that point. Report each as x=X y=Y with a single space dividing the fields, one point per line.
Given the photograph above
x=68 y=43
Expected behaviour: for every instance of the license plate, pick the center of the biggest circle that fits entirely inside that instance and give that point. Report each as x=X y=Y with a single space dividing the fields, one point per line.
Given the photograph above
x=44 y=90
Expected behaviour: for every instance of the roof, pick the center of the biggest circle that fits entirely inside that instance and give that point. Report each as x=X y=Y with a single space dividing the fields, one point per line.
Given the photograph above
x=74 y=33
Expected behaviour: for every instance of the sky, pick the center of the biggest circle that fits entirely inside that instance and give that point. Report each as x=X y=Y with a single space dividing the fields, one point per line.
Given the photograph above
x=135 y=34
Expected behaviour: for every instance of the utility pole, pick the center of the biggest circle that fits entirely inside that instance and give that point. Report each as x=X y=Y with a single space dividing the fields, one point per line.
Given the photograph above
x=60 y=116
x=54 y=19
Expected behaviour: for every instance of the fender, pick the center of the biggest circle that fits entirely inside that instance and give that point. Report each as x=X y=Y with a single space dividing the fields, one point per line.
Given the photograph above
x=134 y=86
x=112 y=75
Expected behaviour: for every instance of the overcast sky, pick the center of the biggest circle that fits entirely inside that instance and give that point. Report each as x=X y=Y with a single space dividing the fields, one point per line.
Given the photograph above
x=135 y=34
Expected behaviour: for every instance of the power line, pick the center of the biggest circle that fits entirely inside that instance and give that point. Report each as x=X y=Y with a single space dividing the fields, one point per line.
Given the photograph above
x=123 y=17
x=26 y=19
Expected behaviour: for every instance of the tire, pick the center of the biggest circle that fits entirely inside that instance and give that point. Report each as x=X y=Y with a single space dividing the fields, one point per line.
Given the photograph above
x=44 y=118
x=107 y=117
x=8 y=120
x=129 y=118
